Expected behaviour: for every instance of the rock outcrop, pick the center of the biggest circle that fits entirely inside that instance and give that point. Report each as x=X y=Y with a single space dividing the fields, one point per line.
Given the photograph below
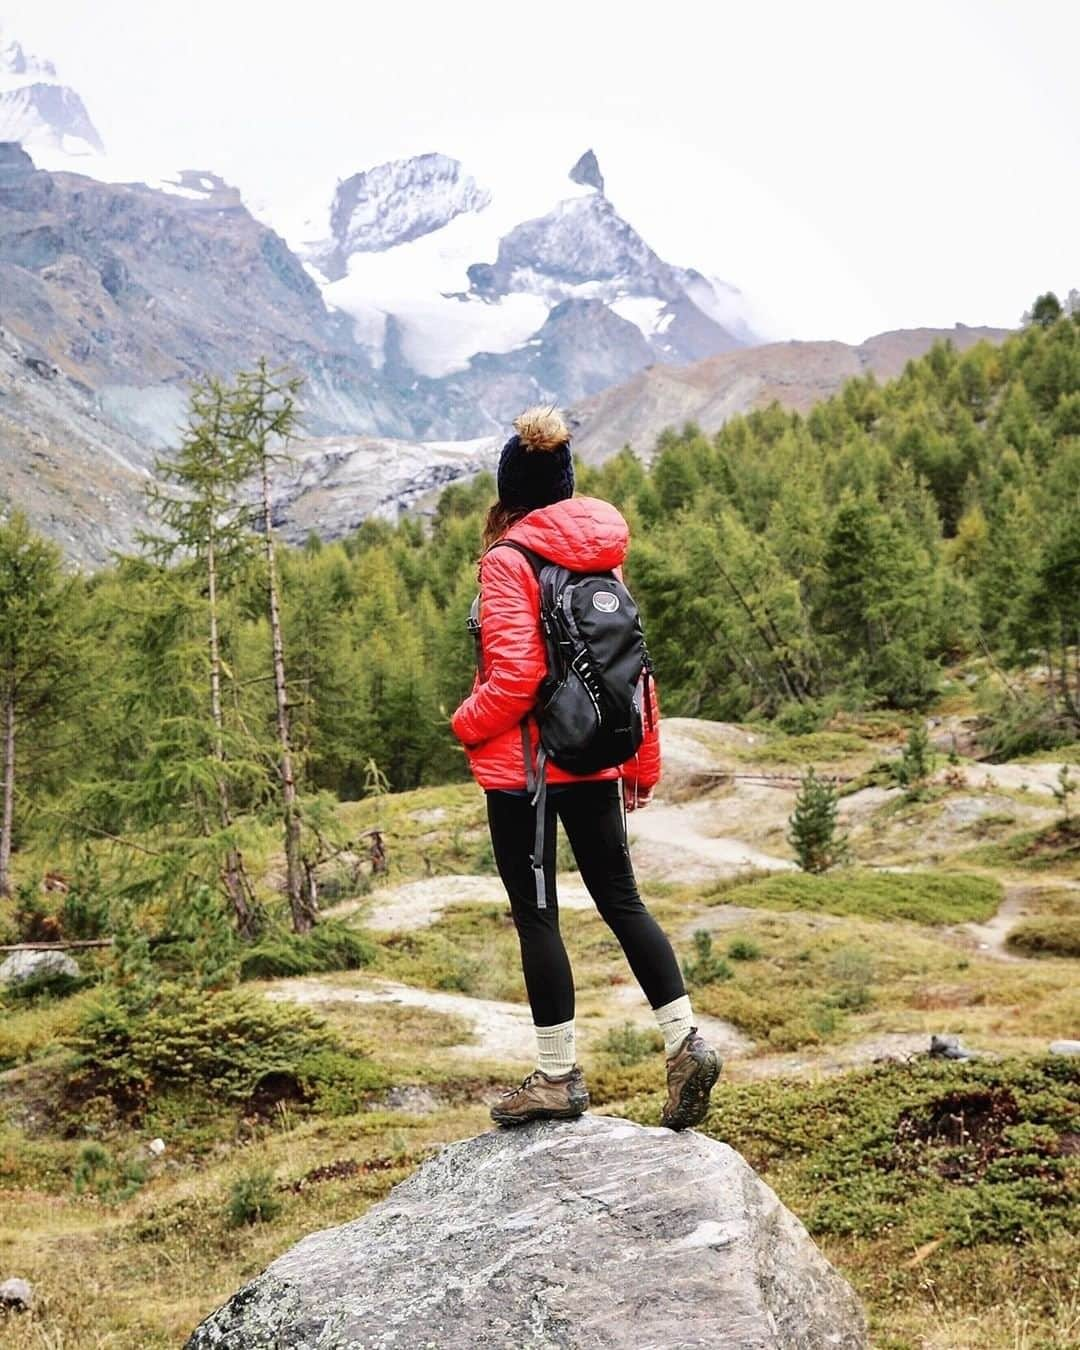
x=596 y=1233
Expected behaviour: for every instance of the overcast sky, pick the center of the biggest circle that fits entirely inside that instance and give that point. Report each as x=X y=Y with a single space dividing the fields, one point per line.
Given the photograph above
x=851 y=166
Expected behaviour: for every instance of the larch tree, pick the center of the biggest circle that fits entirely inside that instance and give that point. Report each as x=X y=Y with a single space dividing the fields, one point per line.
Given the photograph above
x=262 y=418
x=38 y=657
x=208 y=528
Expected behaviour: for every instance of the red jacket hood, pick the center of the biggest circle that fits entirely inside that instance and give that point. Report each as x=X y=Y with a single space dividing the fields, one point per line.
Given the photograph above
x=584 y=534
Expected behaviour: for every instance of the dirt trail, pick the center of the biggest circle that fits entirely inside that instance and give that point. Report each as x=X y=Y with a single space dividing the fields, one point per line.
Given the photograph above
x=418 y=904
x=501 y=1030
x=991 y=937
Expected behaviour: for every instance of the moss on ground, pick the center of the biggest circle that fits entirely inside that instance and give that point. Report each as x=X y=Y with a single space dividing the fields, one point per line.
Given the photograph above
x=944 y=1188
x=923 y=897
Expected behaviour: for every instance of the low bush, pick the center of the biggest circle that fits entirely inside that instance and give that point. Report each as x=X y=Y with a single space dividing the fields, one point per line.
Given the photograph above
x=1053 y=935
x=233 y=1048
x=110 y=1179
x=967 y=1153
x=705 y=967
x=925 y=897
x=329 y=946
x=743 y=949
x=252 y=1199
x=627 y=1046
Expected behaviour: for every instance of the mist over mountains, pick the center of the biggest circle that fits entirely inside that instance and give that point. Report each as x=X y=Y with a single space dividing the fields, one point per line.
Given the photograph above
x=417 y=302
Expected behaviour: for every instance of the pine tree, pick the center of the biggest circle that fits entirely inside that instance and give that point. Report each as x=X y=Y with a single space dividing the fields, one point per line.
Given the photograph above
x=812 y=830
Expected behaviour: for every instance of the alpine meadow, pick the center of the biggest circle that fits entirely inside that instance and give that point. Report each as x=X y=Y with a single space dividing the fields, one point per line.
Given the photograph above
x=539 y=677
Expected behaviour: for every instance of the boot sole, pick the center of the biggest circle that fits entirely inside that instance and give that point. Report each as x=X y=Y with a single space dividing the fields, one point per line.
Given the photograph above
x=693 y=1104
x=566 y=1113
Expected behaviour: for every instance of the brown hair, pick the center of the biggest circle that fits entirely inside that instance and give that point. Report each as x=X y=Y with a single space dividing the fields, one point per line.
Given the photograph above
x=498 y=521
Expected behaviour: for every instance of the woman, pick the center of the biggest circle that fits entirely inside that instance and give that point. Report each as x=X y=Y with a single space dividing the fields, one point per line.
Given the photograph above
x=536 y=509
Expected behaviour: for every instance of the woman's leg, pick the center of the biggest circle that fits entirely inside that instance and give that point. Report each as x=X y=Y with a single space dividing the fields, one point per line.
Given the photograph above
x=548 y=978
x=592 y=816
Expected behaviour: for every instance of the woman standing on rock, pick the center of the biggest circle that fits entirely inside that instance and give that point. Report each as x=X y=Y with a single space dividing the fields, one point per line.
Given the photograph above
x=536 y=523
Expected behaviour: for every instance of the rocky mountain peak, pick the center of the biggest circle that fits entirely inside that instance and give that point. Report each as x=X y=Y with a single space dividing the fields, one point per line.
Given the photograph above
x=15 y=60
x=40 y=112
x=395 y=203
x=587 y=172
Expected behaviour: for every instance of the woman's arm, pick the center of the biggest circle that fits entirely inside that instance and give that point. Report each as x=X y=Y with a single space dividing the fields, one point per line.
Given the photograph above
x=515 y=660
x=642 y=772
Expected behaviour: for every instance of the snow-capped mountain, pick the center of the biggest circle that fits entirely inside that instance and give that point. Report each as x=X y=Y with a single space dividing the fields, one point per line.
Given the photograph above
x=43 y=114
x=445 y=283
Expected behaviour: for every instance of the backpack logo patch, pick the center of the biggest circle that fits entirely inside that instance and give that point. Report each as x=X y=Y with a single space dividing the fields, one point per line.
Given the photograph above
x=605 y=602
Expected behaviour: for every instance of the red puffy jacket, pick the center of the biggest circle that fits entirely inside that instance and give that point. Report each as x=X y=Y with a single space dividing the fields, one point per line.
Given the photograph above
x=585 y=535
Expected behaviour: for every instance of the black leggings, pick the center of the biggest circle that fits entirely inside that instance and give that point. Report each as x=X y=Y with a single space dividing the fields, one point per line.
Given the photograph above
x=591 y=814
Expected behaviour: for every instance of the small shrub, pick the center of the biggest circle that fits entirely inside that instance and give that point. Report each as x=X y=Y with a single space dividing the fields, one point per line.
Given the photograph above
x=252 y=1199
x=1027 y=725
x=743 y=949
x=813 y=832
x=1067 y=784
x=705 y=967
x=45 y=987
x=852 y=971
x=329 y=946
x=1052 y=935
x=98 y=1173
x=85 y=911
x=223 y=1046
x=626 y=1045
x=916 y=762
x=800 y=719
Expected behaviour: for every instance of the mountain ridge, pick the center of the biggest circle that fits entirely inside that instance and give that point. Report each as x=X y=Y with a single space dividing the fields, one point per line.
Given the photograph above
x=796 y=374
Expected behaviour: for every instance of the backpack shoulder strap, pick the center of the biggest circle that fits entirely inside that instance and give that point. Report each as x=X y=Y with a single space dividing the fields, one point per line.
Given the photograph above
x=535 y=561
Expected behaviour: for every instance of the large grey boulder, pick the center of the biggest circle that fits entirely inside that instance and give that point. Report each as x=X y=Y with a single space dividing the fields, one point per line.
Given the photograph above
x=33 y=965
x=592 y=1233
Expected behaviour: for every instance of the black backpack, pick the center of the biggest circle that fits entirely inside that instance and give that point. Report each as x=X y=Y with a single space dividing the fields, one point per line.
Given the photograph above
x=595 y=698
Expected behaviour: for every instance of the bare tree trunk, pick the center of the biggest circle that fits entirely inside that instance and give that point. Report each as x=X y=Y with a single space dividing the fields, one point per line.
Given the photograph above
x=302 y=899
x=7 y=824
x=237 y=885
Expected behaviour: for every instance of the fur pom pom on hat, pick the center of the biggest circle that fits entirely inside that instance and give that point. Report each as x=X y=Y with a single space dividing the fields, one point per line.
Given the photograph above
x=536 y=467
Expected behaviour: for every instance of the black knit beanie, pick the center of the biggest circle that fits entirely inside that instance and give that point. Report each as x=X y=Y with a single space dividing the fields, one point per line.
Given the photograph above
x=536 y=467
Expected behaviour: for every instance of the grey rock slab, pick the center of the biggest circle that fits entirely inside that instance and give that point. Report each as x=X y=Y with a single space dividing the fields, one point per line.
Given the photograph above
x=1065 y=1047
x=591 y=1233
x=19 y=966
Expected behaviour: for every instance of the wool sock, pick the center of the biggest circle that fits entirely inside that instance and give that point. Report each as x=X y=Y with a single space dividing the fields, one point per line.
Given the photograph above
x=674 y=1020
x=555 y=1049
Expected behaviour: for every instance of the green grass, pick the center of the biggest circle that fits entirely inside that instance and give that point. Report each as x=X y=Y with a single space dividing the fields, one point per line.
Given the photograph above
x=924 y=897
x=815 y=747
x=1047 y=936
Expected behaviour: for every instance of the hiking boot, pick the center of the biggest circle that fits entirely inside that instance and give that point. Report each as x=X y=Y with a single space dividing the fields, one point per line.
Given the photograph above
x=543 y=1098
x=692 y=1072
